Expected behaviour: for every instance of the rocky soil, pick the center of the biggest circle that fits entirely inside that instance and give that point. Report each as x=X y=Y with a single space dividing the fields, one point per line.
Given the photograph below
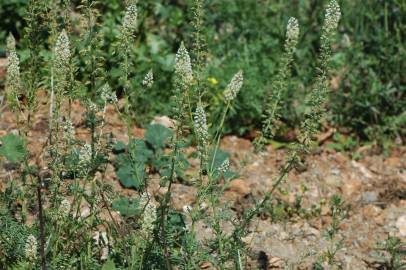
x=374 y=186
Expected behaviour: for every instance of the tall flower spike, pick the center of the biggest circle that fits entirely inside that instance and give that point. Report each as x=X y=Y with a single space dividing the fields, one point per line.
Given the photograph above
x=292 y=34
x=234 y=86
x=13 y=79
x=331 y=19
x=130 y=21
x=183 y=66
x=62 y=52
x=200 y=124
x=31 y=248
x=11 y=43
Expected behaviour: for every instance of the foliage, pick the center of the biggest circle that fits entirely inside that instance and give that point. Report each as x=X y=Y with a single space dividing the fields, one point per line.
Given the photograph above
x=66 y=187
x=371 y=47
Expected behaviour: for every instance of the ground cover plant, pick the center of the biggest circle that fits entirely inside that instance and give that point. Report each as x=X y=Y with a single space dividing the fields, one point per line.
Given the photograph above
x=59 y=208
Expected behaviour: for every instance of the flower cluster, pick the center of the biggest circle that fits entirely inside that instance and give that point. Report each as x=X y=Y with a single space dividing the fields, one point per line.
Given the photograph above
x=234 y=87
x=130 y=21
x=183 y=66
x=107 y=95
x=331 y=19
x=200 y=124
x=62 y=52
x=68 y=131
x=85 y=154
x=292 y=34
x=225 y=166
x=149 y=215
x=31 y=248
x=149 y=79
x=65 y=207
x=13 y=80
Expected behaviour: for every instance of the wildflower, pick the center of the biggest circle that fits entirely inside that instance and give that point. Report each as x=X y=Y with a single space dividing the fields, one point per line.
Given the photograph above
x=200 y=124
x=92 y=106
x=85 y=154
x=292 y=33
x=234 y=86
x=62 y=52
x=65 y=207
x=107 y=95
x=68 y=131
x=213 y=80
x=149 y=216
x=31 y=248
x=13 y=83
x=149 y=79
x=11 y=43
x=331 y=19
x=183 y=66
x=225 y=166
x=130 y=21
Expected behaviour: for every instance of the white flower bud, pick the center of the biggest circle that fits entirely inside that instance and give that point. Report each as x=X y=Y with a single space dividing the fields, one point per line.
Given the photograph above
x=225 y=166
x=149 y=215
x=200 y=124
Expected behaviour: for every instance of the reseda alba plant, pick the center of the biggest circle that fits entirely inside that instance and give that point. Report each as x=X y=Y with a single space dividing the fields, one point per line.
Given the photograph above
x=76 y=227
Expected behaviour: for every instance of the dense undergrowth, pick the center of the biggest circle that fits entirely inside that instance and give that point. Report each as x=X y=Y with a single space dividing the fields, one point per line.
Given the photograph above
x=93 y=56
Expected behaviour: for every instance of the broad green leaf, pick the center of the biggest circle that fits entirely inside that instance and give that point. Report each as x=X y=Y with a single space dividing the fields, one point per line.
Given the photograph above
x=139 y=151
x=132 y=175
x=13 y=148
x=158 y=136
x=216 y=159
x=127 y=207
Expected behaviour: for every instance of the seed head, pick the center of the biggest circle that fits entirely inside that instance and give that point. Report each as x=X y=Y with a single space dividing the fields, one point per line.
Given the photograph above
x=149 y=79
x=234 y=86
x=31 y=248
x=183 y=66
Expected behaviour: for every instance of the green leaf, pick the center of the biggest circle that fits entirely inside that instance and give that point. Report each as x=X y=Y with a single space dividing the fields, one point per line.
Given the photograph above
x=139 y=151
x=13 y=148
x=127 y=207
x=132 y=175
x=109 y=265
x=119 y=147
x=158 y=136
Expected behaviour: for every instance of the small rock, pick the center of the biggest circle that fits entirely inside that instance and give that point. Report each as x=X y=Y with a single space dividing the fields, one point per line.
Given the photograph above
x=401 y=225
x=370 y=196
x=164 y=121
x=239 y=187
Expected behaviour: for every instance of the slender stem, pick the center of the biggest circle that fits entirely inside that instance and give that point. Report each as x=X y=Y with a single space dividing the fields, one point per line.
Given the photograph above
x=41 y=226
x=218 y=135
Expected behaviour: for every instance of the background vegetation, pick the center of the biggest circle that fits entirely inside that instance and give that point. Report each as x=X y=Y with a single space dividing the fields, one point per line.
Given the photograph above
x=369 y=94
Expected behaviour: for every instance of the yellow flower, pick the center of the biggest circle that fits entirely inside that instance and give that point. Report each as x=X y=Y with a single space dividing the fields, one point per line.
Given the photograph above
x=213 y=80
